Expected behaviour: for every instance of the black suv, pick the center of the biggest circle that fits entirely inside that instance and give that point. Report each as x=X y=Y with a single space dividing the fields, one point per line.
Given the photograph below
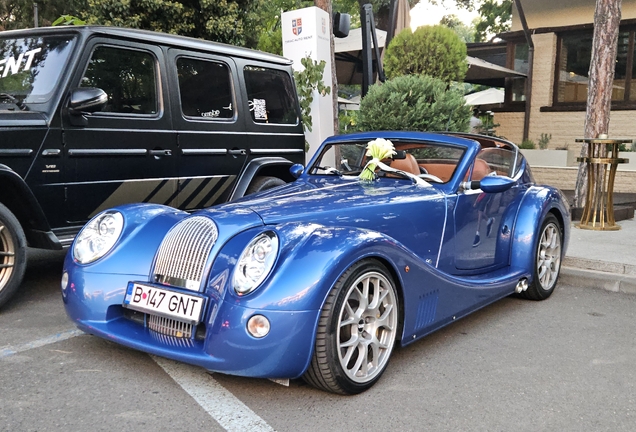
x=93 y=117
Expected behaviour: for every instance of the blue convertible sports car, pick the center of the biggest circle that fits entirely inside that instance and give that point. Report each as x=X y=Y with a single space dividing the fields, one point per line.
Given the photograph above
x=322 y=277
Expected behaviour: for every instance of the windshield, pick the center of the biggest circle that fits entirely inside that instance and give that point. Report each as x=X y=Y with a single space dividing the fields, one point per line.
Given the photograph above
x=431 y=161
x=30 y=67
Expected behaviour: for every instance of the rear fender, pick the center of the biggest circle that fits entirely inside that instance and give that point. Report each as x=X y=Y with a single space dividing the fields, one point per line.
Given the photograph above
x=536 y=204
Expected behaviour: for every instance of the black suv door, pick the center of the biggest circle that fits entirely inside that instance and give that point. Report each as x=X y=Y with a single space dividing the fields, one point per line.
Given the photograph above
x=126 y=152
x=211 y=133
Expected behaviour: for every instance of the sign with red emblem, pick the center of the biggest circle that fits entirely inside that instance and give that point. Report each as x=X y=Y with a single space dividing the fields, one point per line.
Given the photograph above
x=297 y=26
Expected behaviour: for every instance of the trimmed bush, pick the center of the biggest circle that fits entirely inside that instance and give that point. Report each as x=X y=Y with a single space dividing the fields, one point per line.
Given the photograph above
x=436 y=51
x=414 y=102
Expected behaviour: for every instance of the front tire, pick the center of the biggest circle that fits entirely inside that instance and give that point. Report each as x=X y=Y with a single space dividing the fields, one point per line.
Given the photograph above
x=547 y=260
x=12 y=254
x=357 y=330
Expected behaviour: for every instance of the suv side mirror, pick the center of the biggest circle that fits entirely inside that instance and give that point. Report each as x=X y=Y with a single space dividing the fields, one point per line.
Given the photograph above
x=87 y=100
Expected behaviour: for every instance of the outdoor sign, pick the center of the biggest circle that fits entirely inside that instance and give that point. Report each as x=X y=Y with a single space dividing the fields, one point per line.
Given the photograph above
x=306 y=32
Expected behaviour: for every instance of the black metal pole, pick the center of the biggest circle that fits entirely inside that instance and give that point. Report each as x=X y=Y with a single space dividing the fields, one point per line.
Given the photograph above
x=366 y=16
x=35 y=15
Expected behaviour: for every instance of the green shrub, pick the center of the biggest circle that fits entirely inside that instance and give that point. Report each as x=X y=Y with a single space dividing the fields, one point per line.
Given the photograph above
x=528 y=145
x=414 y=102
x=544 y=140
x=436 y=51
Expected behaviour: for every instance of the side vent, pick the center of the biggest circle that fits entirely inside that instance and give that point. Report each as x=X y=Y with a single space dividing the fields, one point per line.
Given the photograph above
x=427 y=309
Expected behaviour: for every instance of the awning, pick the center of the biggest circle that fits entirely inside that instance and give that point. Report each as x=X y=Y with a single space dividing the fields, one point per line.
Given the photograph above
x=348 y=54
x=486 y=97
x=482 y=72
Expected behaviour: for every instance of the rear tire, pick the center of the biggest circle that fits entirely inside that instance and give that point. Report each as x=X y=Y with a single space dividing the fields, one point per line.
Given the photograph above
x=13 y=255
x=356 y=331
x=547 y=260
x=262 y=183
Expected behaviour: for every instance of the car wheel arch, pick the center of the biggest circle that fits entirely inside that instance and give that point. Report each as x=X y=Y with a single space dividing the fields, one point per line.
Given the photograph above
x=537 y=204
x=16 y=195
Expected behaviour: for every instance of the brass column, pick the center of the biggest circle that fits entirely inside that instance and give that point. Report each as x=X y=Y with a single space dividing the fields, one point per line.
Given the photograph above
x=598 y=213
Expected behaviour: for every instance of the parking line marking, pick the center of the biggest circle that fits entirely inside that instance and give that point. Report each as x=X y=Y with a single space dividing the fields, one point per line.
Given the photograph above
x=6 y=352
x=222 y=405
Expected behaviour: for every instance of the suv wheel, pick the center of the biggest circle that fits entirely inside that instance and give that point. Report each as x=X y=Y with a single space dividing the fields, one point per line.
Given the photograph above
x=12 y=254
x=262 y=183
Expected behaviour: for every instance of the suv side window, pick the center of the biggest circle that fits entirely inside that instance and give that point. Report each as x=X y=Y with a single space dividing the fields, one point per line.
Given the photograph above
x=205 y=88
x=270 y=95
x=127 y=76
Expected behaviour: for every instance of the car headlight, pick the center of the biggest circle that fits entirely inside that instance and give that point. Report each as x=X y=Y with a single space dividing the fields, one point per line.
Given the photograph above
x=98 y=237
x=255 y=263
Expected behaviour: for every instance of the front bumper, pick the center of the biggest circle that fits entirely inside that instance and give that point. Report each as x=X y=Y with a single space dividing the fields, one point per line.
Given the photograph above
x=93 y=302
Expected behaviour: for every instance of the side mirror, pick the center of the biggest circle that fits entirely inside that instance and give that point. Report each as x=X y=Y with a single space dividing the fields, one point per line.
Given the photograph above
x=296 y=170
x=341 y=25
x=496 y=184
x=87 y=100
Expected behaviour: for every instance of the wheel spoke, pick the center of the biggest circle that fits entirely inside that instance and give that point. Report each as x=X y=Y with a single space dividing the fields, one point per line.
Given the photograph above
x=549 y=256
x=367 y=327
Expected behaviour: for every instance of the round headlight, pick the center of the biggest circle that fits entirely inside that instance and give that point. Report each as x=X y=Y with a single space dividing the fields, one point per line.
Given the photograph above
x=98 y=237
x=255 y=263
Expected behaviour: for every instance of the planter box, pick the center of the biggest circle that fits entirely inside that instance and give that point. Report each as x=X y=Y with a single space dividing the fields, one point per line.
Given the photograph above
x=631 y=166
x=550 y=158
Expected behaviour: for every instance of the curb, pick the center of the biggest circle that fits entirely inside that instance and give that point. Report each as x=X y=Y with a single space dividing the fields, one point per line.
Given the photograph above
x=612 y=277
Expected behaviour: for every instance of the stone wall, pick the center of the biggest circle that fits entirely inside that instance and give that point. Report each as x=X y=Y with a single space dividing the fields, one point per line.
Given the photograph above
x=565 y=178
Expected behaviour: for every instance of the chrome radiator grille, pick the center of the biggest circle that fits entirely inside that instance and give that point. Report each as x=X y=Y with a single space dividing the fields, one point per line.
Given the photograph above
x=170 y=327
x=184 y=251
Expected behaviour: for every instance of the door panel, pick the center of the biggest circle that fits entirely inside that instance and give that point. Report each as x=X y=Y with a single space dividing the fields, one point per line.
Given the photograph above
x=482 y=230
x=126 y=153
x=211 y=134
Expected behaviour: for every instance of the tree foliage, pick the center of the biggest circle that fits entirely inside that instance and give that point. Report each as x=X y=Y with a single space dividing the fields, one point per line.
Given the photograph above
x=229 y=21
x=465 y=33
x=436 y=51
x=18 y=14
x=307 y=81
x=414 y=102
x=495 y=16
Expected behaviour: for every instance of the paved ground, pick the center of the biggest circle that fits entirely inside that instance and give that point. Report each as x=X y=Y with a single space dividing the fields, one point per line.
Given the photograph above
x=605 y=259
x=567 y=364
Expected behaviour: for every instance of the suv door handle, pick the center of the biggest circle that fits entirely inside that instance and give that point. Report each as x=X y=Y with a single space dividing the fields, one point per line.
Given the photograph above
x=237 y=152
x=160 y=152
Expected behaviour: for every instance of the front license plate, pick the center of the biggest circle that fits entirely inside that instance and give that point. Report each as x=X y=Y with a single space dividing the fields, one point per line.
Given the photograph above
x=159 y=301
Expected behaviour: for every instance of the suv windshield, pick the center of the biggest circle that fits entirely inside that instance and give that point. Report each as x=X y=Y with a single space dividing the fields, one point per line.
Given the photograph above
x=30 y=67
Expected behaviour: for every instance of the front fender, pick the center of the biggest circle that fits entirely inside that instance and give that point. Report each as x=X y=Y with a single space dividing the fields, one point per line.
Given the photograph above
x=311 y=259
x=535 y=206
x=145 y=226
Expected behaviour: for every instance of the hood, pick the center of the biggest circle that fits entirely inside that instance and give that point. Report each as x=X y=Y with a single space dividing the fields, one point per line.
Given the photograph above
x=332 y=201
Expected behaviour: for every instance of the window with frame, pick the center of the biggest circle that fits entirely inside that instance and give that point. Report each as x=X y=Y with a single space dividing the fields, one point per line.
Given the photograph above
x=573 y=65
x=271 y=96
x=205 y=89
x=128 y=77
x=520 y=64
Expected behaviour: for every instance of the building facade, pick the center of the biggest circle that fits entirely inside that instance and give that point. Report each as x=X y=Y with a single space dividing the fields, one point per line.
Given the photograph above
x=562 y=37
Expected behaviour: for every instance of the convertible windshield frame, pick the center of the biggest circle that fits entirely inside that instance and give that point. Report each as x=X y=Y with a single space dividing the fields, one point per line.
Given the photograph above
x=433 y=161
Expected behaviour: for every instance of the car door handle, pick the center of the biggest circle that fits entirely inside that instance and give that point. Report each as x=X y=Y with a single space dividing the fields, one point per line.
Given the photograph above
x=51 y=152
x=160 y=152
x=237 y=152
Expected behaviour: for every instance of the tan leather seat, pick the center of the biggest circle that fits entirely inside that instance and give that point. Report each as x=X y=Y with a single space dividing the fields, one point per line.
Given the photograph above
x=408 y=164
x=481 y=170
